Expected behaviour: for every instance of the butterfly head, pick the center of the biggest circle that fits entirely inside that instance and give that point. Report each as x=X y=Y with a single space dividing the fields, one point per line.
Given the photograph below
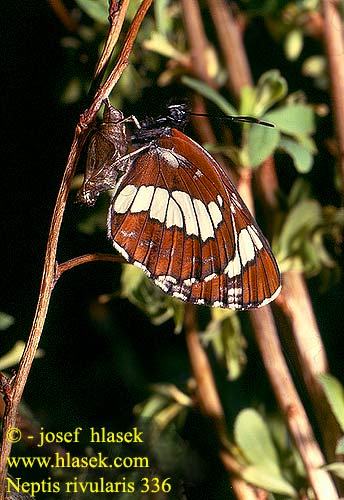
x=177 y=115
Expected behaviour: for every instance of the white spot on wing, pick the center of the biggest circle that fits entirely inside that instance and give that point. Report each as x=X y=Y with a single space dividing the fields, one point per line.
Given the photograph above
x=121 y=250
x=246 y=248
x=142 y=199
x=161 y=284
x=255 y=237
x=189 y=282
x=143 y=267
x=215 y=213
x=204 y=222
x=159 y=204
x=168 y=156
x=233 y=267
x=167 y=278
x=210 y=277
x=179 y=295
x=128 y=234
x=185 y=203
x=123 y=200
x=174 y=216
x=270 y=299
x=220 y=200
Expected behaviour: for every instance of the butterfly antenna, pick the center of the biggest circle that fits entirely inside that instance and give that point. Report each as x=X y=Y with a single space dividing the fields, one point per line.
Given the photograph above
x=240 y=119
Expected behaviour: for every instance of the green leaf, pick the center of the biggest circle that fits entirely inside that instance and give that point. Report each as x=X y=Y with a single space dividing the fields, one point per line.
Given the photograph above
x=337 y=468
x=302 y=158
x=158 y=307
x=224 y=335
x=335 y=395
x=301 y=219
x=262 y=142
x=299 y=191
x=211 y=94
x=161 y=45
x=274 y=482
x=248 y=98
x=314 y=66
x=147 y=409
x=340 y=446
x=5 y=321
x=162 y=16
x=12 y=357
x=271 y=88
x=308 y=143
x=96 y=9
x=295 y=119
x=293 y=44
x=253 y=438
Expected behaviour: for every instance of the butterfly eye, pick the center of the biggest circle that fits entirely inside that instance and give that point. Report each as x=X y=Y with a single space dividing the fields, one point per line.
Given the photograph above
x=177 y=114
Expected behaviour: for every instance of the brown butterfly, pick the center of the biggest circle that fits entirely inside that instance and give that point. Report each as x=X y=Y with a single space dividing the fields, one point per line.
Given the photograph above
x=176 y=215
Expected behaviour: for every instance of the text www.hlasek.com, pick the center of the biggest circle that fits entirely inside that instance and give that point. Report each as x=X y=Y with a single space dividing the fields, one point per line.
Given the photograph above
x=69 y=461
x=101 y=485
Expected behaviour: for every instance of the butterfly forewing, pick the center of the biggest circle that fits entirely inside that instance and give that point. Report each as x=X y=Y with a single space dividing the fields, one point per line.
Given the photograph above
x=176 y=215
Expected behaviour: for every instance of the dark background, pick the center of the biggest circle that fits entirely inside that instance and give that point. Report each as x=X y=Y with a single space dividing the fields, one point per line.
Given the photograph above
x=99 y=360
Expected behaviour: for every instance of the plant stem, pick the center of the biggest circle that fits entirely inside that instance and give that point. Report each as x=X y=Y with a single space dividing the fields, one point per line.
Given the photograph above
x=334 y=44
x=233 y=50
x=84 y=259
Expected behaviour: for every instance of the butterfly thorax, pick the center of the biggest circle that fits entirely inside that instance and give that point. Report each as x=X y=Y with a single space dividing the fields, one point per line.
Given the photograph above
x=176 y=116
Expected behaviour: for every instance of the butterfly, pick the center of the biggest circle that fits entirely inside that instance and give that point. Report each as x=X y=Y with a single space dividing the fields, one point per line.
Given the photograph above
x=176 y=215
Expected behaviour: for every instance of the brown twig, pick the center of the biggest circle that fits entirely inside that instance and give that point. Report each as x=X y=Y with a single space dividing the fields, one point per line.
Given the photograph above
x=116 y=18
x=48 y=279
x=309 y=353
x=84 y=259
x=233 y=51
x=63 y=15
x=334 y=44
x=197 y=40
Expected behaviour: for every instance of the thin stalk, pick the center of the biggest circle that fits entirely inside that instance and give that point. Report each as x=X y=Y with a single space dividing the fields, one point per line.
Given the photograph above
x=334 y=44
